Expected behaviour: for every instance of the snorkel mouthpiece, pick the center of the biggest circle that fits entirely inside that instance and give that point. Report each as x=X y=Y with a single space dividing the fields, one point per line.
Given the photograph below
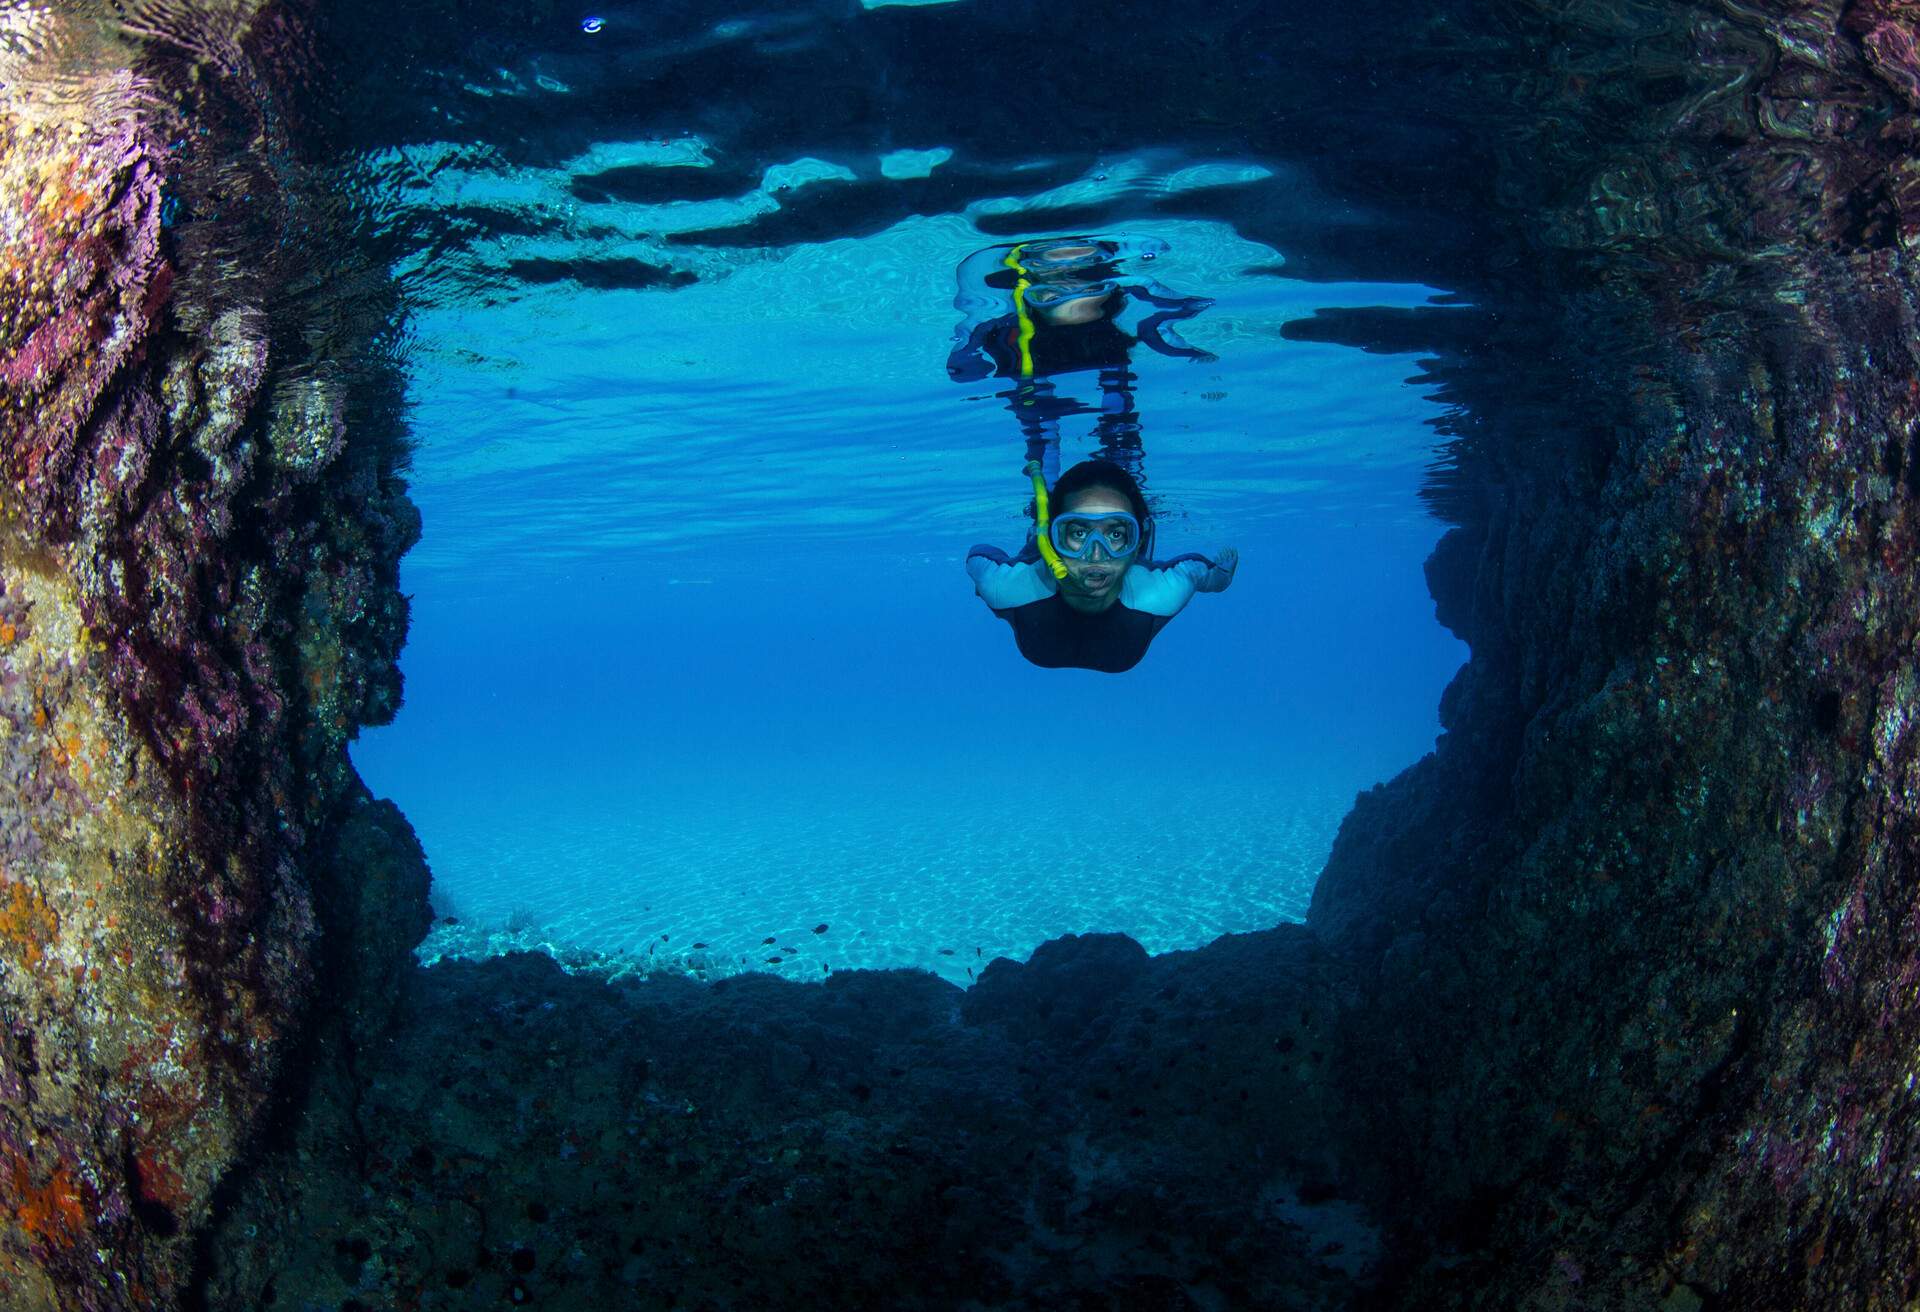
x=1040 y=521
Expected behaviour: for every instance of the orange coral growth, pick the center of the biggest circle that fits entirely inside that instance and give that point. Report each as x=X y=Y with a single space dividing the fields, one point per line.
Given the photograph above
x=69 y=751
x=26 y=922
x=54 y=1212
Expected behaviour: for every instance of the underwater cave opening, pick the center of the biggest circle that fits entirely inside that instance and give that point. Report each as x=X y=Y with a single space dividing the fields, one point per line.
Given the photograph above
x=708 y=669
x=707 y=416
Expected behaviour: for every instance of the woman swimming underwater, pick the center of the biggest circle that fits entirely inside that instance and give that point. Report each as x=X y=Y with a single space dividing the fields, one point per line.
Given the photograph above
x=1083 y=592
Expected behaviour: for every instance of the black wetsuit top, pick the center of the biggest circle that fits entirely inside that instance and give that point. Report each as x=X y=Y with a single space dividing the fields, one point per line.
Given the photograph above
x=993 y=347
x=1022 y=591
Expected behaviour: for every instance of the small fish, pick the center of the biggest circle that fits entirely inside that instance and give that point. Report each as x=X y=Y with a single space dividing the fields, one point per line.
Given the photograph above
x=824 y=967
x=976 y=951
x=699 y=945
x=789 y=949
x=766 y=941
x=663 y=938
x=820 y=928
x=970 y=968
x=776 y=961
x=946 y=952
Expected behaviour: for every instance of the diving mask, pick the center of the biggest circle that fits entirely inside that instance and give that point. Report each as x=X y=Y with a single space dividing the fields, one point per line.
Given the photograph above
x=1113 y=533
x=1052 y=295
x=1064 y=257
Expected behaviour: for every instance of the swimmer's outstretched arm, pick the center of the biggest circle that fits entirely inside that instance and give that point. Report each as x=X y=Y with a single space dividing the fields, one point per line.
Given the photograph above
x=1206 y=573
x=1165 y=587
x=1149 y=290
x=1004 y=581
x=970 y=361
x=1220 y=570
x=1156 y=330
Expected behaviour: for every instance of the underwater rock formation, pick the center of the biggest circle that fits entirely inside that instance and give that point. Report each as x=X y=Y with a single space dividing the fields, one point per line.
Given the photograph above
x=197 y=605
x=1093 y=1128
x=1636 y=949
x=1610 y=1002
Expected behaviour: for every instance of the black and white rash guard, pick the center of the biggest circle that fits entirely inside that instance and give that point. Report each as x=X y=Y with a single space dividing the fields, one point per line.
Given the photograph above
x=1022 y=591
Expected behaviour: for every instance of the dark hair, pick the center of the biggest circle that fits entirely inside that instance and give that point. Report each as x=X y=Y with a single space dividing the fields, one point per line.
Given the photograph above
x=1104 y=473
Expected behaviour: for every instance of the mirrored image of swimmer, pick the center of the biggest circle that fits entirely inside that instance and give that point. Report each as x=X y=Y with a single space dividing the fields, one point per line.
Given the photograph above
x=1037 y=310
x=1084 y=592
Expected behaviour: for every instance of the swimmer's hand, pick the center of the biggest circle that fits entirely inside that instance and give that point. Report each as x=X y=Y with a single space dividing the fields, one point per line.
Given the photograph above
x=1228 y=559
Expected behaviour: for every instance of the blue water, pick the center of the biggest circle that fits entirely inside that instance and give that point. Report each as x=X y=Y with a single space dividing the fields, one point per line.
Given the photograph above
x=694 y=659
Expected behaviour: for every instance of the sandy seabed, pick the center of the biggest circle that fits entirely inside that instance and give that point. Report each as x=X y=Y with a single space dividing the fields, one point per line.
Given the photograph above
x=945 y=884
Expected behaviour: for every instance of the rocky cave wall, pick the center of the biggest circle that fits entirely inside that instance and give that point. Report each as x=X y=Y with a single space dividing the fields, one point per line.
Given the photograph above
x=1636 y=949
x=197 y=606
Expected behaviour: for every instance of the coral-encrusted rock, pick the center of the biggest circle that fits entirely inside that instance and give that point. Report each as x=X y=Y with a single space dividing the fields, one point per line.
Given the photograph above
x=185 y=645
x=1644 y=929
x=1061 y=993
x=534 y=1138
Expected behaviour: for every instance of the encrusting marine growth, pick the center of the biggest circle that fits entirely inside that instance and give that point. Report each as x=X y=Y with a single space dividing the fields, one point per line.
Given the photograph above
x=197 y=606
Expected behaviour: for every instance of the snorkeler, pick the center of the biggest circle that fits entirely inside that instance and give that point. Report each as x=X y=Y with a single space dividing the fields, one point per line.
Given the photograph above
x=1069 y=296
x=1083 y=592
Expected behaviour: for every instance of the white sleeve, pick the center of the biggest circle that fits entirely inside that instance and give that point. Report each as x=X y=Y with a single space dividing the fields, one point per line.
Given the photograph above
x=1166 y=589
x=1003 y=583
x=1208 y=575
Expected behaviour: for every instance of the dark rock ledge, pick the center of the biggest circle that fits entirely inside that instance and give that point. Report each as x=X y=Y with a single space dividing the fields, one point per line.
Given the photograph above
x=1612 y=1002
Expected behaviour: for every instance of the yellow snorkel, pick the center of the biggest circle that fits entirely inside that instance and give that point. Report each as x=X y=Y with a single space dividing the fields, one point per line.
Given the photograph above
x=1020 y=309
x=1041 y=536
